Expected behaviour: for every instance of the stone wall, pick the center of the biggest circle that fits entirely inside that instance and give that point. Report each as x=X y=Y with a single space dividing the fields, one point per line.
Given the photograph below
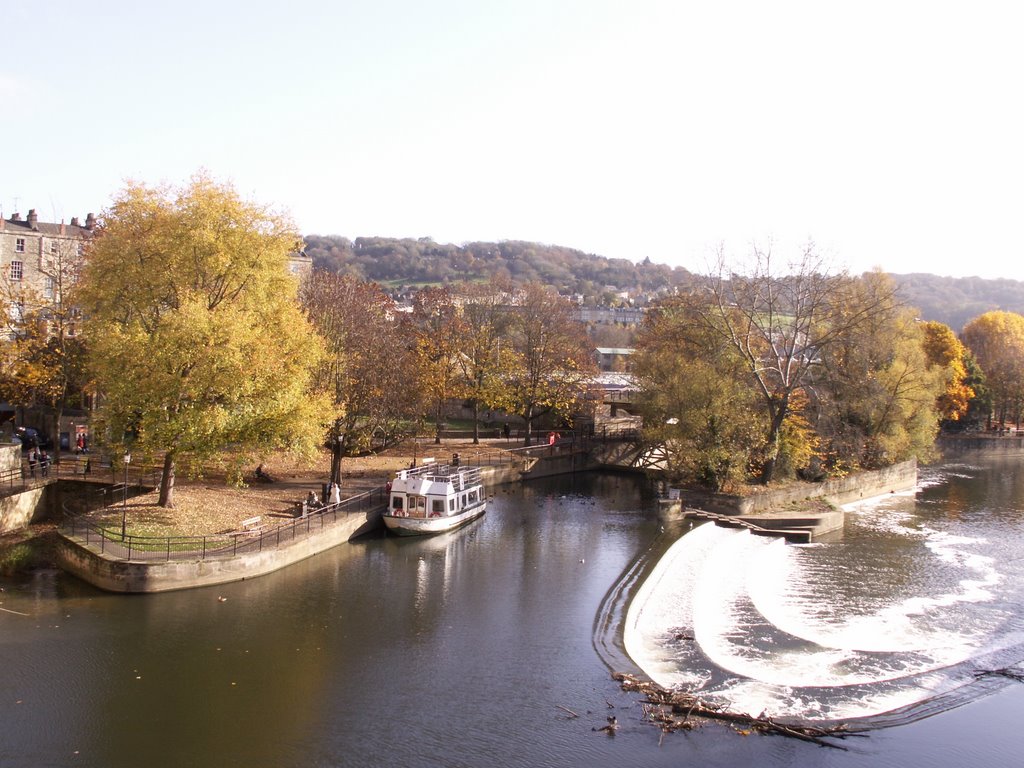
x=954 y=444
x=10 y=457
x=17 y=510
x=128 y=576
x=842 y=490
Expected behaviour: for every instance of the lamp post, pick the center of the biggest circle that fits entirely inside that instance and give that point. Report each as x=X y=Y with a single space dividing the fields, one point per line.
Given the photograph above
x=124 y=507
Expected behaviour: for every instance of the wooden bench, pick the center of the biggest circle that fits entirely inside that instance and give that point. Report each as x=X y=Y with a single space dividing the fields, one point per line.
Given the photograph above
x=251 y=527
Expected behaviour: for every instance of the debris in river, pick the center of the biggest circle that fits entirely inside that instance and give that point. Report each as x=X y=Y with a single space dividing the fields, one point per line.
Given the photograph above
x=663 y=706
x=1003 y=672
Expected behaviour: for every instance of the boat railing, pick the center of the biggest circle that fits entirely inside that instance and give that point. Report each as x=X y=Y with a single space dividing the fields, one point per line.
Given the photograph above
x=459 y=476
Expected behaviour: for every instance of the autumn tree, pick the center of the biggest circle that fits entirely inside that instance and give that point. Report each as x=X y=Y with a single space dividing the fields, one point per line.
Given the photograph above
x=824 y=367
x=196 y=340
x=996 y=339
x=876 y=388
x=550 y=361
x=944 y=349
x=42 y=349
x=698 y=407
x=369 y=369
x=979 y=407
x=483 y=357
x=439 y=337
x=780 y=322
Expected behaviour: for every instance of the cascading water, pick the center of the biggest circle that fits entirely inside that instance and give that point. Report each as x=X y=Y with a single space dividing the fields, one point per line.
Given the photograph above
x=901 y=612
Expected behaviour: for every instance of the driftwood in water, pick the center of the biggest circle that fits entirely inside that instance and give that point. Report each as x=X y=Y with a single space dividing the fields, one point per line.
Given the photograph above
x=663 y=707
x=1012 y=674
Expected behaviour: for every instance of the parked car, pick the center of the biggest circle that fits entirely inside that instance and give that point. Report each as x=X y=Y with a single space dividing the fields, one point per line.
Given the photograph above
x=31 y=438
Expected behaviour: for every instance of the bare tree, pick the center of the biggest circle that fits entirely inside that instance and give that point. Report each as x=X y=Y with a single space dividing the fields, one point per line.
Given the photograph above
x=370 y=370
x=781 y=324
x=552 y=359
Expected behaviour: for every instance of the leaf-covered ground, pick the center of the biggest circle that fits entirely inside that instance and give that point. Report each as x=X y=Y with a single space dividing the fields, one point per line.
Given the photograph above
x=211 y=505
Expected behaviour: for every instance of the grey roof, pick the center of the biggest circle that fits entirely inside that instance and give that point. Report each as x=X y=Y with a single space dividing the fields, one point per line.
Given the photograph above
x=45 y=228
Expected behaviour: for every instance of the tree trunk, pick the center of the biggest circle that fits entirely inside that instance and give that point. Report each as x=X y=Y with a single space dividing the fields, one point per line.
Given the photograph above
x=336 y=452
x=167 y=482
x=58 y=413
x=528 y=418
x=476 y=423
x=774 y=441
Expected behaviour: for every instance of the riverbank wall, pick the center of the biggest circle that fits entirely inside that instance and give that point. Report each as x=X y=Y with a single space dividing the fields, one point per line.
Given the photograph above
x=797 y=507
x=133 y=575
x=30 y=504
x=989 y=443
x=115 y=574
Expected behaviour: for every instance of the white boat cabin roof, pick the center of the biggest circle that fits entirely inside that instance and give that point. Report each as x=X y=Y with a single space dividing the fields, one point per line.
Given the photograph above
x=435 y=479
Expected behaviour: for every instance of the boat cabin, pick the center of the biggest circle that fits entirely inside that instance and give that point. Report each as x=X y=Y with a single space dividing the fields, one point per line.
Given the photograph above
x=435 y=490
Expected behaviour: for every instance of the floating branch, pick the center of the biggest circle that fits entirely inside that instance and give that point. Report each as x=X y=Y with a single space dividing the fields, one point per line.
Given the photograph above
x=1004 y=672
x=664 y=708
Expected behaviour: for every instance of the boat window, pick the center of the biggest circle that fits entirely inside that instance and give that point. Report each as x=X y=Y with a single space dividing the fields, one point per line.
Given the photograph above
x=421 y=503
x=463 y=499
x=472 y=497
x=396 y=502
x=437 y=505
x=451 y=504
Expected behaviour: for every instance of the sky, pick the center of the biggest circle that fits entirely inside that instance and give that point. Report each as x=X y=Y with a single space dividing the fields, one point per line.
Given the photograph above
x=889 y=134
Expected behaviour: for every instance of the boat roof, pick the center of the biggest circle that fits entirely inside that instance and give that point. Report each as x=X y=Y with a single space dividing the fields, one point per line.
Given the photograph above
x=433 y=470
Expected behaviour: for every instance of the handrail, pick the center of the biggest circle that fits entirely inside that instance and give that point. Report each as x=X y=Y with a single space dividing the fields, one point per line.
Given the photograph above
x=211 y=546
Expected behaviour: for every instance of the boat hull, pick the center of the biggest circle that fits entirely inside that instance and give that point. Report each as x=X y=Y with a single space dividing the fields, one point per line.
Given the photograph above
x=422 y=526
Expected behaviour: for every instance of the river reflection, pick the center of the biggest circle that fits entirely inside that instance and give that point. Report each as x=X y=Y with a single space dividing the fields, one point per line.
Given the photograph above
x=465 y=649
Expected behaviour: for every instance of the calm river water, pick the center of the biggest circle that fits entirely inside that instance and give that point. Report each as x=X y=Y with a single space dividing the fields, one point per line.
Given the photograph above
x=468 y=649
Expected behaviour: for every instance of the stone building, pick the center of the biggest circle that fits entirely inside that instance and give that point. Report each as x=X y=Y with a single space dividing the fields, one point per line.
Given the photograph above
x=39 y=260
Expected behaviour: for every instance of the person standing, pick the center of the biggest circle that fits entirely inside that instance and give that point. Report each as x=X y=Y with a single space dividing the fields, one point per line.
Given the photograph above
x=32 y=458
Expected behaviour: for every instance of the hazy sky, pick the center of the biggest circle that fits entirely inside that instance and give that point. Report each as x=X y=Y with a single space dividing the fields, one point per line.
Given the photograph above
x=889 y=133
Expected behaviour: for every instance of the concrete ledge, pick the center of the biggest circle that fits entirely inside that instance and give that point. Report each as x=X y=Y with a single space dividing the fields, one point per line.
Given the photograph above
x=980 y=442
x=778 y=512
x=842 y=490
x=166 y=576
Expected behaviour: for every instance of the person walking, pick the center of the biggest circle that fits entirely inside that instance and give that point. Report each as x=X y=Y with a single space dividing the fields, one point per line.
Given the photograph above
x=32 y=458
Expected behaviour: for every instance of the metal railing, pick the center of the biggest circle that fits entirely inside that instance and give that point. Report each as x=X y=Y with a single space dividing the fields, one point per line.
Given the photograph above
x=109 y=542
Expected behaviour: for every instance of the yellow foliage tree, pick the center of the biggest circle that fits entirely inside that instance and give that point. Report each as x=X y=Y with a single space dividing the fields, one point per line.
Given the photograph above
x=944 y=349
x=997 y=341
x=196 y=340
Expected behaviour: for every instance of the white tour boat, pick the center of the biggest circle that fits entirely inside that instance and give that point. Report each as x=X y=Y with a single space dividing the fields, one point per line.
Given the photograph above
x=434 y=498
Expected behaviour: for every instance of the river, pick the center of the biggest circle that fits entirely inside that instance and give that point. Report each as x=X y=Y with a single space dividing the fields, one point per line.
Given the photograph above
x=472 y=648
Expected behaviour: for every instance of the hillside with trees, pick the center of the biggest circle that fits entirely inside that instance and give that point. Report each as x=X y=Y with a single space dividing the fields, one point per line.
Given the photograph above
x=397 y=262
x=956 y=300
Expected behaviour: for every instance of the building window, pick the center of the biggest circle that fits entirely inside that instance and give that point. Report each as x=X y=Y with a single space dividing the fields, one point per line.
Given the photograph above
x=50 y=287
x=16 y=311
x=17 y=270
x=19 y=245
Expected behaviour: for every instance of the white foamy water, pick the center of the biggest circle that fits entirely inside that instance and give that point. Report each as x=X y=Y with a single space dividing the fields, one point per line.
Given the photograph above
x=884 y=619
